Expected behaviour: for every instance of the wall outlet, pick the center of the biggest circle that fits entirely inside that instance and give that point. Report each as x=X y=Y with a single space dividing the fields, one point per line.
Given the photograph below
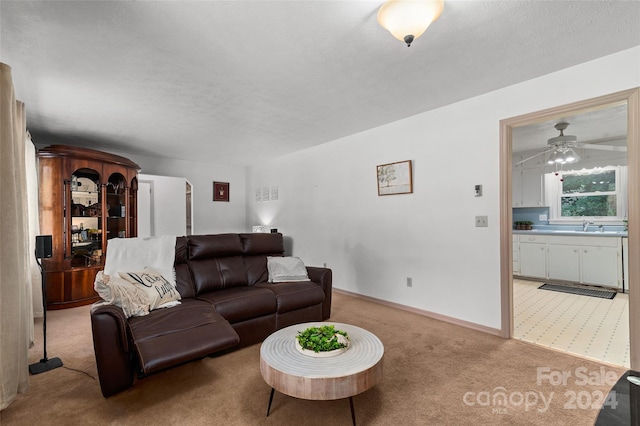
x=409 y=282
x=482 y=221
x=542 y=217
x=324 y=265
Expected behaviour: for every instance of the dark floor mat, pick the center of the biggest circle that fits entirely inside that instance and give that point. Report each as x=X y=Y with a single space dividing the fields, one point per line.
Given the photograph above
x=603 y=294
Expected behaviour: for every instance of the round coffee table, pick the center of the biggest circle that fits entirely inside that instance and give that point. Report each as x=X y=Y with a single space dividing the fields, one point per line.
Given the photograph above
x=292 y=373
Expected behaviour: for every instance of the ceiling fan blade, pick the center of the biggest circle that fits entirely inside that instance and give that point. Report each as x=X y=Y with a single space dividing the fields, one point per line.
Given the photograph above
x=532 y=157
x=604 y=147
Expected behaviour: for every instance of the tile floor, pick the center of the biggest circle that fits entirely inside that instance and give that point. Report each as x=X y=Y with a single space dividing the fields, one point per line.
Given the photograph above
x=582 y=325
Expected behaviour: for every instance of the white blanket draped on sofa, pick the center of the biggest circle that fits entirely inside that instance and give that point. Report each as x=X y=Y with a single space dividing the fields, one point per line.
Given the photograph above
x=134 y=255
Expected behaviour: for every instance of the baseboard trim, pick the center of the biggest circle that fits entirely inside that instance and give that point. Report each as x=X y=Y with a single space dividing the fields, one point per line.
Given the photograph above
x=429 y=314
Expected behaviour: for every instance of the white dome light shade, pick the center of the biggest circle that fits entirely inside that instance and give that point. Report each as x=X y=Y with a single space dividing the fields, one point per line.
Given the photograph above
x=407 y=20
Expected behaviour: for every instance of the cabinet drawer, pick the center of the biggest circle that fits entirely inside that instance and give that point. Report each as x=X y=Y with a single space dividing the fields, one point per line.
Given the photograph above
x=540 y=239
x=584 y=241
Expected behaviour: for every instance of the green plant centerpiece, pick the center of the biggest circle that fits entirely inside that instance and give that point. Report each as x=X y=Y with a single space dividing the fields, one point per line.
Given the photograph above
x=322 y=341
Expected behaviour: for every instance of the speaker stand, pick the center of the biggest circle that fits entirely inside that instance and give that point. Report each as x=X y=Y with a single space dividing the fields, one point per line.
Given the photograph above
x=45 y=363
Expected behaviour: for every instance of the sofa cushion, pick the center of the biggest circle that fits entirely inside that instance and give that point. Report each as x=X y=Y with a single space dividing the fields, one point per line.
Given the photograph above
x=256 y=268
x=294 y=295
x=167 y=337
x=241 y=303
x=218 y=273
x=256 y=248
x=212 y=246
x=267 y=244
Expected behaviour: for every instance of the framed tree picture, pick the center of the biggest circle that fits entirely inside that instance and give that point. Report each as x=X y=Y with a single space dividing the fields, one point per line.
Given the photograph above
x=395 y=178
x=220 y=191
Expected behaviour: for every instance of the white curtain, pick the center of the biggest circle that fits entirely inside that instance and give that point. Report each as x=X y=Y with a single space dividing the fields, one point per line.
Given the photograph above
x=34 y=224
x=16 y=310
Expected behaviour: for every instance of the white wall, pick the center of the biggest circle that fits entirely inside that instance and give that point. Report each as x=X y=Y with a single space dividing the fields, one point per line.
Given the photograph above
x=168 y=202
x=328 y=204
x=209 y=217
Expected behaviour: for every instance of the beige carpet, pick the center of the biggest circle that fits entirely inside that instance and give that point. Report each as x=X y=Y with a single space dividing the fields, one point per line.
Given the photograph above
x=434 y=373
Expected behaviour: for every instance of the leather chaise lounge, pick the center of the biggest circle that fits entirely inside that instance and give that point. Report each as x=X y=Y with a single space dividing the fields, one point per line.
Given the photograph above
x=227 y=303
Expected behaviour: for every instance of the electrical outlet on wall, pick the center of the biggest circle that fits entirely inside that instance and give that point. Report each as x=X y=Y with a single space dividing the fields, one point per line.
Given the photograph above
x=482 y=221
x=409 y=282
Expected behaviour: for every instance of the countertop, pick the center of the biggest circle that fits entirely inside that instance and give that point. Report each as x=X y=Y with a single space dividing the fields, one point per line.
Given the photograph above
x=594 y=232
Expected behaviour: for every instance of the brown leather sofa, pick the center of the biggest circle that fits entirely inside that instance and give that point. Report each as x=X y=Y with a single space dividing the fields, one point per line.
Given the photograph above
x=227 y=303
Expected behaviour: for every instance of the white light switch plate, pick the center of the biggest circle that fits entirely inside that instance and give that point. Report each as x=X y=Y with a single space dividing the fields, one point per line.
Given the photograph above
x=482 y=221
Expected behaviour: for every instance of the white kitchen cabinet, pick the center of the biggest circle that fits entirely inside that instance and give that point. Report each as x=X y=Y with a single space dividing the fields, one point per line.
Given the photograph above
x=515 y=254
x=602 y=266
x=580 y=259
x=625 y=264
x=532 y=187
x=585 y=259
x=563 y=262
x=527 y=183
x=516 y=187
x=533 y=256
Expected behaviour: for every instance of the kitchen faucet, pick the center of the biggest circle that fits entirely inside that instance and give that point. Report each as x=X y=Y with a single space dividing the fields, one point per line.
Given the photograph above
x=585 y=225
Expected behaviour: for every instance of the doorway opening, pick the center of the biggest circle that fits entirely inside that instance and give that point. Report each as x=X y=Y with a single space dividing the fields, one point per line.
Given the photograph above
x=508 y=128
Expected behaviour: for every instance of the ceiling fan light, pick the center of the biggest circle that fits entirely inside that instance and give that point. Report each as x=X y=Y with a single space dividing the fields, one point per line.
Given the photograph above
x=570 y=156
x=563 y=140
x=407 y=20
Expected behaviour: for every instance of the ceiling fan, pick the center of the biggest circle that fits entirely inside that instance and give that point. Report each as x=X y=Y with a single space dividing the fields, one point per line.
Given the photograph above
x=561 y=148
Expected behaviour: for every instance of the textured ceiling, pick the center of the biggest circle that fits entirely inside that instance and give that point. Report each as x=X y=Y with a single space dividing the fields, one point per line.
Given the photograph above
x=604 y=126
x=239 y=81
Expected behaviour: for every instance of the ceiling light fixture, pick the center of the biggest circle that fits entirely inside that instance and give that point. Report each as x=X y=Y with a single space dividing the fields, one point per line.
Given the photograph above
x=561 y=147
x=406 y=20
x=570 y=156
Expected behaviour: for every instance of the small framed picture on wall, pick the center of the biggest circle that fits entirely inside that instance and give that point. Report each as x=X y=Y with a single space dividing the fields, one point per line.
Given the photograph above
x=395 y=178
x=220 y=191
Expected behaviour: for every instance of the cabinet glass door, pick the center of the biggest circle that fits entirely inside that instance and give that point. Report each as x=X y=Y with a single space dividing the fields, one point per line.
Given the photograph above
x=132 y=213
x=116 y=206
x=84 y=229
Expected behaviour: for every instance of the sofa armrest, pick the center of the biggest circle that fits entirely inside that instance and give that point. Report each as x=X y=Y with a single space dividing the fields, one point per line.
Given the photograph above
x=111 y=348
x=323 y=277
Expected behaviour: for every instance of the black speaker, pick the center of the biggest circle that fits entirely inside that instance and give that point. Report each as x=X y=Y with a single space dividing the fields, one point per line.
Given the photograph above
x=43 y=246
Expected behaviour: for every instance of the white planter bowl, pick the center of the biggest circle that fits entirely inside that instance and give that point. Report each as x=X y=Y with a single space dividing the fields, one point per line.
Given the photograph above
x=326 y=354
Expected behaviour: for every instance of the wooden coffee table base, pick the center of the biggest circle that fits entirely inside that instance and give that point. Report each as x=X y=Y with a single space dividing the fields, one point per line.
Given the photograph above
x=353 y=413
x=343 y=376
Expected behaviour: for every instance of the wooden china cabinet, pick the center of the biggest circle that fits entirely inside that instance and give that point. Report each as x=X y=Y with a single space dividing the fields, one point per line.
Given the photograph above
x=87 y=197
